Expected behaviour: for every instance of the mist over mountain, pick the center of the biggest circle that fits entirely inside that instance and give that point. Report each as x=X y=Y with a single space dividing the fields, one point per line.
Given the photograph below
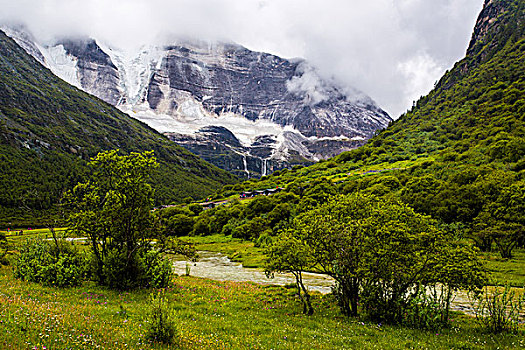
x=50 y=129
x=279 y=112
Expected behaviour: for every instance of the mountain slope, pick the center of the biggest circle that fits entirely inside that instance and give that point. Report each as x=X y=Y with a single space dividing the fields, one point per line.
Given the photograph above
x=479 y=105
x=280 y=112
x=458 y=155
x=49 y=129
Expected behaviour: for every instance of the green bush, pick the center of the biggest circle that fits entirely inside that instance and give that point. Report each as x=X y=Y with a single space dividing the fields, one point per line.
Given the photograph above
x=499 y=310
x=4 y=249
x=160 y=326
x=179 y=225
x=195 y=208
x=158 y=271
x=145 y=269
x=201 y=227
x=426 y=310
x=119 y=271
x=42 y=262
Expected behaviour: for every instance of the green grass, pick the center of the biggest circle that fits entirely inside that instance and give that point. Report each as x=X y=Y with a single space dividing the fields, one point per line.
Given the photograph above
x=383 y=167
x=18 y=236
x=20 y=232
x=236 y=249
x=506 y=271
x=208 y=315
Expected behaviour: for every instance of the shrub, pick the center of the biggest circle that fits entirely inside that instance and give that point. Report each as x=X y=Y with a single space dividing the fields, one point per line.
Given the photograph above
x=201 y=227
x=145 y=269
x=195 y=208
x=60 y=265
x=180 y=225
x=160 y=326
x=499 y=311
x=4 y=249
x=120 y=271
x=157 y=270
x=427 y=309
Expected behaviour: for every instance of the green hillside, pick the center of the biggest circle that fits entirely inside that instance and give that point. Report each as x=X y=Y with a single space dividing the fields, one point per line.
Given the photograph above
x=49 y=129
x=475 y=113
x=457 y=155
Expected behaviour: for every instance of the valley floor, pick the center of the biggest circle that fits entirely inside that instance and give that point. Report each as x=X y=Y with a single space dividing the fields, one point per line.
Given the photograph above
x=209 y=315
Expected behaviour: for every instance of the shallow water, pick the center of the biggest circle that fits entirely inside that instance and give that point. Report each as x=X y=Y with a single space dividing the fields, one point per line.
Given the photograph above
x=217 y=266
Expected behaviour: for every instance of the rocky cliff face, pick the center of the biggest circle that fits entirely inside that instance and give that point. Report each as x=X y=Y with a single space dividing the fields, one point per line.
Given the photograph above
x=496 y=17
x=95 y=70
x=247 y=112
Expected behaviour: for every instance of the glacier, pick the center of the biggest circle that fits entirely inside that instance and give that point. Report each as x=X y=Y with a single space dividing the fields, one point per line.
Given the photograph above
x=279 y=112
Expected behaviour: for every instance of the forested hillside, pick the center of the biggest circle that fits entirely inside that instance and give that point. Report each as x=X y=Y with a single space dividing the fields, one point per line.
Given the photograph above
x=457 y=155
x=49 y=130
x=475 y=113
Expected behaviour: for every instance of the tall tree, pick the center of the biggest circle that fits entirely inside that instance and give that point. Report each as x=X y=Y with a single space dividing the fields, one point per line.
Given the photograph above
x=113 y=209
x=383 y=254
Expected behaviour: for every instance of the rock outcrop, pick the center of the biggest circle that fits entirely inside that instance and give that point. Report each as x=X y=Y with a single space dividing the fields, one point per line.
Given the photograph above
x=247 y=112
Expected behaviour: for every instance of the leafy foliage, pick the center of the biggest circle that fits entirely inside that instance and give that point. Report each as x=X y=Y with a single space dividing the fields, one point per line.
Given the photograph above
x=382 y=254
x=113 y=210
x=499 y=310
x=49 y=130
x=160 y=326
x=4 y=249
x=58 y=265
x=289 y=254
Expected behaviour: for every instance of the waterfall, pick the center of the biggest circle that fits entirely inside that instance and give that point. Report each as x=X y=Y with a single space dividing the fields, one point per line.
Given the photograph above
x=245 y=166
x=263 y=170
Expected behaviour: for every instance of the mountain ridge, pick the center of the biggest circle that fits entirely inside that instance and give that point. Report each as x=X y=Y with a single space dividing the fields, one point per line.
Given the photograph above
x=49 y=130
x=184 y=87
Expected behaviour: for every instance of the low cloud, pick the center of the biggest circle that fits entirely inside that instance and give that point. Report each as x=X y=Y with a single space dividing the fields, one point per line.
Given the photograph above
x=393 y=50
x=308 y=85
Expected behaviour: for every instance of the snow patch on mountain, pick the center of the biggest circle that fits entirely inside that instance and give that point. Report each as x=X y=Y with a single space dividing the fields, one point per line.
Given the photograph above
x=135 y=70
x=190 y=117
x=61 y=64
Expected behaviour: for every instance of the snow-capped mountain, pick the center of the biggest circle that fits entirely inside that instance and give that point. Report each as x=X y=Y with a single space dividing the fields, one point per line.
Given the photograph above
x=247 y=112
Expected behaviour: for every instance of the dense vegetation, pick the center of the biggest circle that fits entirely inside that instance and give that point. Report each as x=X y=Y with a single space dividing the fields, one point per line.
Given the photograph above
x=48 y=132
x=457 y=156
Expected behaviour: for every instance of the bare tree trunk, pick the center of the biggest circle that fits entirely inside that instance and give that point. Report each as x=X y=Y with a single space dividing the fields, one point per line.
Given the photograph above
x=308 y=303
x=299 y=284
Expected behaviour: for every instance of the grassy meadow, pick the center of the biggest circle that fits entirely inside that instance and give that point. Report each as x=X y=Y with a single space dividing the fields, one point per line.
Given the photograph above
x=219 y=315
x=208 y=315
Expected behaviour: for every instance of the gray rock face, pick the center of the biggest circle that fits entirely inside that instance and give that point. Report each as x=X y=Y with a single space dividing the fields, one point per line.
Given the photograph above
x=97 y=73
x=230 y=78
x=247 y=112
x=219 y=146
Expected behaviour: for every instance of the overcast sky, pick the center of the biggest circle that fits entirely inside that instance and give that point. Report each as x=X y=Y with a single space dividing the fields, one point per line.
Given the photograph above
x=393 y=50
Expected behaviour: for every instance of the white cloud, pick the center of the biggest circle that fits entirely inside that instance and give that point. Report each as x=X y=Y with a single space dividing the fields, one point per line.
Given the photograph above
x=418 y=72
x=308 y=85
x=393 y=50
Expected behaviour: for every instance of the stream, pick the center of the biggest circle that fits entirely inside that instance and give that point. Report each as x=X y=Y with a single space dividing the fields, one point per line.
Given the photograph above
x=217 y=266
